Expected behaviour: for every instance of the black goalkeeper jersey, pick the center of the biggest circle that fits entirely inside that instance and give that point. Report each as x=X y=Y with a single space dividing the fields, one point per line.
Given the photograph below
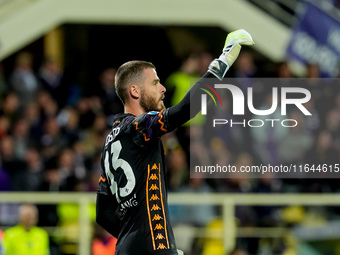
x=133 y=173
x=132 y=196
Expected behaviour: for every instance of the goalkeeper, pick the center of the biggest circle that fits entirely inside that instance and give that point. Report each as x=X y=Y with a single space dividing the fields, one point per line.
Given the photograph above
x=132 y=196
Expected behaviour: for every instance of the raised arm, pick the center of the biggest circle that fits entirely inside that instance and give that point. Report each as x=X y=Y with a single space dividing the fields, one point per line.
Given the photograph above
x=152 y=125
x=190 y=104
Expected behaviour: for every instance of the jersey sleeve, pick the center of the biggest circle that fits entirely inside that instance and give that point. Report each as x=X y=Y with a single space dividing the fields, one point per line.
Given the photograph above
x=103 y=185
x=107 y=214
x=149 y=127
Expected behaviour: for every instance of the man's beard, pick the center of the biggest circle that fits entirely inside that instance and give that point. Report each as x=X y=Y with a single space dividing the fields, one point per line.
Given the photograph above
x=150 y=104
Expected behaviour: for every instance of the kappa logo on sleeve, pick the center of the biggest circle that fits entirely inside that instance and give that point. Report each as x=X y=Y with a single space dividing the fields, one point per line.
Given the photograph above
x=158 y=227
x=154 y=197
x=161 y=246
x=155 y=208
x=153 y=177
x=154 y=187
x=160 y=236
x=157 y=217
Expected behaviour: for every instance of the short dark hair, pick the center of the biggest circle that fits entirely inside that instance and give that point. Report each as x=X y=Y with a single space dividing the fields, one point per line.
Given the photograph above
x=128 y=73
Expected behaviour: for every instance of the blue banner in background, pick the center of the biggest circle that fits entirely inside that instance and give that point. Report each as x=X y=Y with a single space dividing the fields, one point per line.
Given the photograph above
x=316 y=39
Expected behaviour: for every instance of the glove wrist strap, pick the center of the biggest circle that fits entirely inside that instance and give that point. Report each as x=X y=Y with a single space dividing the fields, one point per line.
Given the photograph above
x=218 y=68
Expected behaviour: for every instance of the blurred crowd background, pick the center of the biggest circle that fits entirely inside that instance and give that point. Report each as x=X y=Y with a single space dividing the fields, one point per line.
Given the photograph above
x=54 y=120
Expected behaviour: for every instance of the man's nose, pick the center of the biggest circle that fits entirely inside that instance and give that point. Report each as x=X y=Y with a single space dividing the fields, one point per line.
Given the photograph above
x=163 y=89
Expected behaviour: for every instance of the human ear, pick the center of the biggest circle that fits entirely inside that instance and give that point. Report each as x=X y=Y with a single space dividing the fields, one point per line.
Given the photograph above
x=134 y=91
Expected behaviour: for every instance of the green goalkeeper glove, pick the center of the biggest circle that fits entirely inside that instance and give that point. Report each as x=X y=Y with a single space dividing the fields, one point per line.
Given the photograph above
x=230 y=52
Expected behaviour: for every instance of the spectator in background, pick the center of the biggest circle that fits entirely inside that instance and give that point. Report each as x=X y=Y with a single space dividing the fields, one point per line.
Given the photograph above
x=244 y=66
x=10 y=107
x=68 y=120
x=52 y=141
x=93 y=135
x=178 y=168
x=82 y=163
x=178 y=84
x=283 y=70
x=23 y=80
x=69 y=178
x=26 y=238
x=204 y=60
x=47 y=106
x=87 y=111
x=51 y=78
x=193 y=65
x=110 y=103
x=313 y=71
x=10 y=162
x=32 y=116
x=21 y=138
x=103 y=243
x=31 y=176
x=52 y=180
